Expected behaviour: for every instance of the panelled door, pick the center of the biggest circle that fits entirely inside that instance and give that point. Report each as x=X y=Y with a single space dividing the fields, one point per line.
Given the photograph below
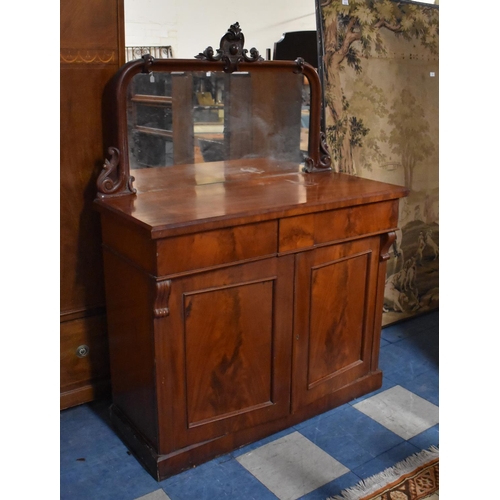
x=224 y=350
x=335 y=290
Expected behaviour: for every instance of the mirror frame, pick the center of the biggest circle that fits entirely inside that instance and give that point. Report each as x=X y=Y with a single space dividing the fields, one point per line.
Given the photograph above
x=115 y=178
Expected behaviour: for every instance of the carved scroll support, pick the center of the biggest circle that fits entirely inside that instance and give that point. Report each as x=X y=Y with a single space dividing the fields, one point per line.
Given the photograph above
x=161 y=309
x=387 y=240
x=231 y=51
x=112 y=183
x=325 y=160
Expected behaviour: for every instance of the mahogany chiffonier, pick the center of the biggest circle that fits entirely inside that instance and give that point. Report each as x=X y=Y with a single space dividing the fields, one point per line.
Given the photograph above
x=243 y=295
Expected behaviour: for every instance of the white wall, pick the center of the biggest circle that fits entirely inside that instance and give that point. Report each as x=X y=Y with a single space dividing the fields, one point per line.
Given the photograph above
x=151 y=22
x=189 y=26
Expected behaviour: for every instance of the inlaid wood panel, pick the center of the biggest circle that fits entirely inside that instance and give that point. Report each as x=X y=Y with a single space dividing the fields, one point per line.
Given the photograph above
x=334 y=322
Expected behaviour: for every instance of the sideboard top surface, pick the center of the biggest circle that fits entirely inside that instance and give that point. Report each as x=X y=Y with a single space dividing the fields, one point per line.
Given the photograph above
x=183 y=198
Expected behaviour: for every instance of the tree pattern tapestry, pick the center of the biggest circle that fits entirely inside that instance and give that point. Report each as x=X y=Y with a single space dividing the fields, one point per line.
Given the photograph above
x=381 y=106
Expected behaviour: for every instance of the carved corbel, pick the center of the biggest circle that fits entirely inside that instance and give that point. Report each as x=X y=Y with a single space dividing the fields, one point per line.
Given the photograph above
x=161 y=309
x=387 y=240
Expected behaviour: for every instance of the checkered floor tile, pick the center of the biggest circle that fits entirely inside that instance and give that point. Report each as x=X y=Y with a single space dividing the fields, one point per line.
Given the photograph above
x=292 y=466
x=400 y=411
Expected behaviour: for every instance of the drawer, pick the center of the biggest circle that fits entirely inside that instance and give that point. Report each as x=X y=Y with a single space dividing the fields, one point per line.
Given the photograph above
x=215 y=248
x=306 y=231
x=84 y=368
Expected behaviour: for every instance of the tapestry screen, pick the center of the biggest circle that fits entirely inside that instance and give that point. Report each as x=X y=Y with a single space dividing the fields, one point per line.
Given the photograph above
x=381 y=107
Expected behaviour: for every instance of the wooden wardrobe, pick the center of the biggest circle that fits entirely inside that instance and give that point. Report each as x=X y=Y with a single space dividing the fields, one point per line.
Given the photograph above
x=91 y=50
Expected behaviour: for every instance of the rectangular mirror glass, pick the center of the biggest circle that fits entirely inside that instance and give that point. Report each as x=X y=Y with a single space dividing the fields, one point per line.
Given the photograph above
x=197 y=117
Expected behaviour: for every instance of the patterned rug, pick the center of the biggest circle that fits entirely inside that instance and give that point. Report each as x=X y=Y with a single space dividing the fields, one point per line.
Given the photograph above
x=416 y=478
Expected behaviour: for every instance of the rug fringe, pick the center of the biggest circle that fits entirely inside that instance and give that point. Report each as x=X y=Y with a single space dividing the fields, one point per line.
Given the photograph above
x=373 y=483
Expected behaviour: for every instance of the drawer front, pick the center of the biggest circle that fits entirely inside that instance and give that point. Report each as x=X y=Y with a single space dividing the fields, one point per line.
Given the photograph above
x=218 y=247
x=84 y=367
x=307 y=231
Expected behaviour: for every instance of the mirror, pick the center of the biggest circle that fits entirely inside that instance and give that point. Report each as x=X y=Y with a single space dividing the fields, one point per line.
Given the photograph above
x=164 y=29
x=198 y=117
x=223 y=105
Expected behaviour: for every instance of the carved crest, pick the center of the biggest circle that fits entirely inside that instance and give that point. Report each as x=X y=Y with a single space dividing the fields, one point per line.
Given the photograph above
x=148 y=62
x=231 y=51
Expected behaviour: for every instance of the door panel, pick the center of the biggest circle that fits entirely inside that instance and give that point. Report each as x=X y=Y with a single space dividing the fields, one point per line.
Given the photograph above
x=227 y=366
x=228 y=335
x=333 y=331
x=336 y=338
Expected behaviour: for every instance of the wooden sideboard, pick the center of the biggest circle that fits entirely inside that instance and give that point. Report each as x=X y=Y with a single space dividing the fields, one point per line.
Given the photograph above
x=242 y=298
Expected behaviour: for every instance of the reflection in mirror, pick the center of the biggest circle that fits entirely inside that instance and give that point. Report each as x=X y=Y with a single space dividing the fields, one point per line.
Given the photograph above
x=199 y=117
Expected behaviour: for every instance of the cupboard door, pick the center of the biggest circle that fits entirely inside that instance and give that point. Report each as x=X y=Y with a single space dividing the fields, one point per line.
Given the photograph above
x=334 y=318
x=225 y=351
